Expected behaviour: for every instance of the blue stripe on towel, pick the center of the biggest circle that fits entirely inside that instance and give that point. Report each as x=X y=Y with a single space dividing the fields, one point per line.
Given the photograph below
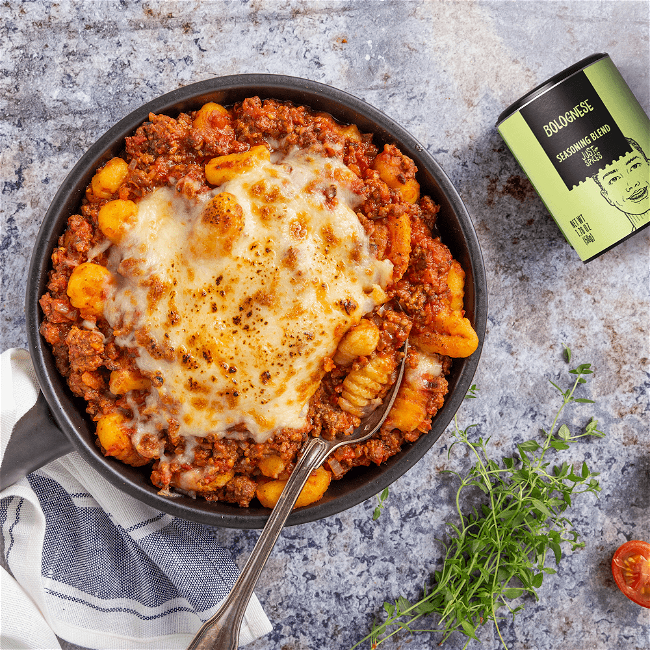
x=127 y=610
x=84 y=549
x=135 y=527
x=4 y=511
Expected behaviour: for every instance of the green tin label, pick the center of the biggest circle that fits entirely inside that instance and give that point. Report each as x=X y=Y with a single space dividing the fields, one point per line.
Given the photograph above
x=585 y=146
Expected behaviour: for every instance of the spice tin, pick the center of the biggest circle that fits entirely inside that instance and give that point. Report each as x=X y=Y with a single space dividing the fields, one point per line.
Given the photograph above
x=584 y=142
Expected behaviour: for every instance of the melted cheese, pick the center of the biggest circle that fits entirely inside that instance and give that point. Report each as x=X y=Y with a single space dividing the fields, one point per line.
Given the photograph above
x=235 y=316
x=429 y=366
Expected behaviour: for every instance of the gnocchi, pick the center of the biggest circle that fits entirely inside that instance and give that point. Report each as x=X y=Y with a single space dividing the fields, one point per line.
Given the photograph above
x=116 y=217
x=109 y=178
x=451 y=333
x=203 y=480
x=225 y=168
x=456 y=284
x=272 y=466
x=222 y=220
x=410 y=409
x=268 y=493
x=115 y=438
x=209 y=114
x=87 y=288
x=361 y=340
x=398 y=172
x=399 y=252
x=362 y=386
x=127 y=379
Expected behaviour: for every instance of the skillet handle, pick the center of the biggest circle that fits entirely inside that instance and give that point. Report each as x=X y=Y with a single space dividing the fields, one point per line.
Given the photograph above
x=35 y=441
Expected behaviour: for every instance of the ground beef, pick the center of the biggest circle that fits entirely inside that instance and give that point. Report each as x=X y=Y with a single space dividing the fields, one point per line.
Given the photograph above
x=85 y=348
x=166 y=151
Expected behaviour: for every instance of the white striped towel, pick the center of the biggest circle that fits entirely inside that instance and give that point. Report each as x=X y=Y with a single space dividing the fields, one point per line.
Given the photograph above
x=92 y=565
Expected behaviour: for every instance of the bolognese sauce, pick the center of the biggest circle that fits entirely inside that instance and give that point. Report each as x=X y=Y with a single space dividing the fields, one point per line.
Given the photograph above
x=241 y=279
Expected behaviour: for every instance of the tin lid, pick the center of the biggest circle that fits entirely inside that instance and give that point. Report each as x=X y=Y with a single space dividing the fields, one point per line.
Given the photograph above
x=553 y=81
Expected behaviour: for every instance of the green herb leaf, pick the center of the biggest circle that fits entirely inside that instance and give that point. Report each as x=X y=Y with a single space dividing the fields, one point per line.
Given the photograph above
x=512 y=592
x=471 y=393
x=382 y=498
x=557 y=551
x=468 y=628
x=403 y=604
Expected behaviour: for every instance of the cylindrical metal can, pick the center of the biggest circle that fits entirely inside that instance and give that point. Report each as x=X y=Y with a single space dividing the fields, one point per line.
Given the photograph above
x=583 y=140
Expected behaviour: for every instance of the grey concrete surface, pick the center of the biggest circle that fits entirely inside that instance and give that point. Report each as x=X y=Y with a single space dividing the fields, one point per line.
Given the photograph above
x=444 y=70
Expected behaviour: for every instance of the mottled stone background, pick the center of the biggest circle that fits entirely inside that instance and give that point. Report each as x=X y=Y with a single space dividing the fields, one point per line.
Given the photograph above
x=444 y=70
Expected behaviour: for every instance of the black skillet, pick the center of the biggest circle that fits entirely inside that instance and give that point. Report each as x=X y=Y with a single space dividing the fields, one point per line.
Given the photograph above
x=58 y=422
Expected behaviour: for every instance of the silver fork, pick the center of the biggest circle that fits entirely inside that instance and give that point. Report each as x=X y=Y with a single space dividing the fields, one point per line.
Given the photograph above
x=221 y=632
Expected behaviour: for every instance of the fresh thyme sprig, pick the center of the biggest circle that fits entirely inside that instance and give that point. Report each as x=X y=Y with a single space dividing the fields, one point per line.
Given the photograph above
x=472 y=392
x=499 y=552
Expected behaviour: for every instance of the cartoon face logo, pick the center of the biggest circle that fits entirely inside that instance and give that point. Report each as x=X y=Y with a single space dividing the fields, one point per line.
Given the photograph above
x=625 y=183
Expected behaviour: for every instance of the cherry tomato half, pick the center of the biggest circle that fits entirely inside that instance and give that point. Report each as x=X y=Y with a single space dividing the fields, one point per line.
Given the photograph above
x=631 y=570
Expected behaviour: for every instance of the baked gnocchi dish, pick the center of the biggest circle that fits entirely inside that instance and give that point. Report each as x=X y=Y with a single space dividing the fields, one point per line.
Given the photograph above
x=242 y=278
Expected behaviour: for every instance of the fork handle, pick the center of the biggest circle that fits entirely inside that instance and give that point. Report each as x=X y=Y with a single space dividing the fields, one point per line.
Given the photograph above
x=221 y=632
